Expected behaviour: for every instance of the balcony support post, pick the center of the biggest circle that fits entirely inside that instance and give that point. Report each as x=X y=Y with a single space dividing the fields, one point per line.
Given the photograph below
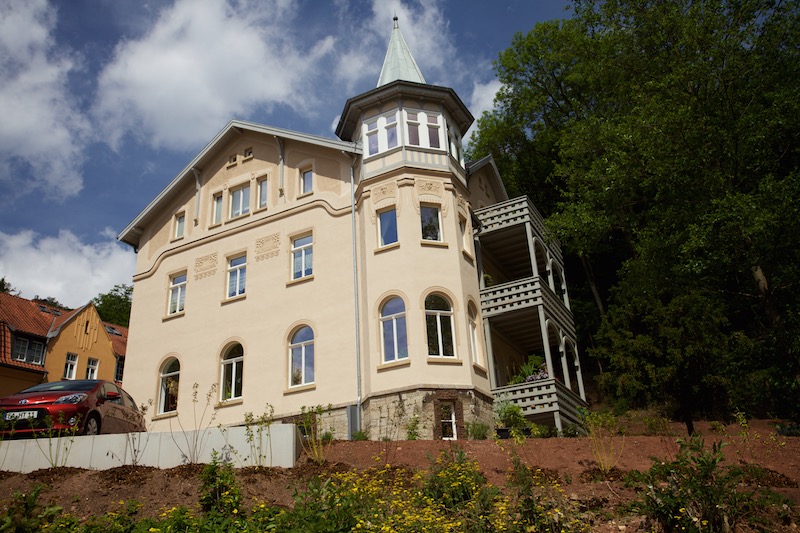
x=548 y=358
x=487 y=335
x=531 y=249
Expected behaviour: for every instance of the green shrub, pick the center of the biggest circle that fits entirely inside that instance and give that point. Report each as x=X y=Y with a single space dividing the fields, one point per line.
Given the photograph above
x=478 y=430
x=219 y=492
x=360 y=435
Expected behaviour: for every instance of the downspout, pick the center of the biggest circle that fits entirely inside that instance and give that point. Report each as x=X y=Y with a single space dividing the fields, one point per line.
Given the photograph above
x=355 y=286
x=196 y=196
x=280 y=164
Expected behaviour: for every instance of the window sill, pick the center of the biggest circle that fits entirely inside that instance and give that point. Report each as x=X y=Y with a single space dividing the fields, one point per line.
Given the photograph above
x=247 y=158
x=479 y=369
x=238 y=217
x=229 y=403
x=300 y=388
x=163 y=416
x=231 y=164
x=305 y=194
x=214 y=225
x=434 y=244
x=172 y=316
x=176 y=239
x=297 y=281
x=386 y=248
x=468 y=255
x=444 y=360
x=233 y=299
x=400 y=363
x=259 y=209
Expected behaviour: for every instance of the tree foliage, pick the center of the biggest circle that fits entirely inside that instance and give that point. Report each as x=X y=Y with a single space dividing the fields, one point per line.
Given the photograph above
x=666 y=133
x=115 y=305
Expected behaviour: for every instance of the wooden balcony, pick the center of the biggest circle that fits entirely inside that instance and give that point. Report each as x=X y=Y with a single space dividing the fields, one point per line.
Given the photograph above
x=514 y=213
x=525 y=294
x=546 y=401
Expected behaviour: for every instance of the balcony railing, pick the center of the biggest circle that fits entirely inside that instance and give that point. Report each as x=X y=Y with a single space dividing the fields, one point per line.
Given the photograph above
x=525 y=293
x=512 y=212
x=540 y=400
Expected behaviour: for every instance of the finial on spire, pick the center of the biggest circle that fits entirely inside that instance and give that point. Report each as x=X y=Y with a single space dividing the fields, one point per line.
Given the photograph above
x=396 y=25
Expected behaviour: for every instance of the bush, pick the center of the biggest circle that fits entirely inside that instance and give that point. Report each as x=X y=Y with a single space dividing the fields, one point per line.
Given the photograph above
x=477 y=430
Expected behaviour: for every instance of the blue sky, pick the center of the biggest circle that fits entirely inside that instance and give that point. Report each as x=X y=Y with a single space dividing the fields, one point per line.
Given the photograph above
x=103 y=102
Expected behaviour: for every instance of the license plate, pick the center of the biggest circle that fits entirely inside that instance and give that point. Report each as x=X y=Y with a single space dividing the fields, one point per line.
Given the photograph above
x=19 y=415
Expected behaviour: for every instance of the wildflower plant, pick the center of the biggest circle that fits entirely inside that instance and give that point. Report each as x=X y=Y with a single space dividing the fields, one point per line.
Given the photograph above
x=605 y=438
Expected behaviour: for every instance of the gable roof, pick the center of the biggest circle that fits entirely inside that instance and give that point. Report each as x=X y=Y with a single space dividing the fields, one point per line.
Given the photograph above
x=29 y=316
x=399 y=64
x=131 y=234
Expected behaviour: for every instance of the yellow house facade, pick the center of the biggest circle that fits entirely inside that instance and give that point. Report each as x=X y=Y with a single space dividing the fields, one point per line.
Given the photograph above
x=289 y=270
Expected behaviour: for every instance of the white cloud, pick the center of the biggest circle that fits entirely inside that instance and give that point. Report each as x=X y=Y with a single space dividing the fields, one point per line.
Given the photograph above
x=42 y=132
x=201 y=64
x=481 y=99
x=63 y=267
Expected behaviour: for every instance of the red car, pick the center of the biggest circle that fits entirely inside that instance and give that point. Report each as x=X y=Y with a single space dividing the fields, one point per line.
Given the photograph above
x=83 y=407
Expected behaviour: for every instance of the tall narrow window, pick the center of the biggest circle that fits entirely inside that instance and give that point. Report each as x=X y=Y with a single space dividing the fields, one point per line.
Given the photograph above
x=412 y=122
x=431 y=226
x=168 y=388
x=302 y=257
x=387 y=226
x=391 y=131
x=180 y=220
x=70 y=366
x=237 y=270
x=306 y=181
x=447 y=412
x=433 y=130
x=393 y=326
x=91 y=368
x=177 y=294
x=240 y=201
x=232 y=371
x=301 y=357
x=119 y=370
x=263 y=185
x=20 y=349
x=439 y=326
x=216 y=207
x=473 y=335
x=372 y=138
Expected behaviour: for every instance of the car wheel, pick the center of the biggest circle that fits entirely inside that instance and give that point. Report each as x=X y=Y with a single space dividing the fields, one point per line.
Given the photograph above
x=92 y=426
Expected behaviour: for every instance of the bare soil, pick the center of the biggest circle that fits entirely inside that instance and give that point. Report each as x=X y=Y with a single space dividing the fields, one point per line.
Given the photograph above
x=85 y=493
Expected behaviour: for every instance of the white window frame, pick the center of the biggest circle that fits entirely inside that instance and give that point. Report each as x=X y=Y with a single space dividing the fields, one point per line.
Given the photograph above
x=262 y=192
x=20 y=349
x=236 y=366
x=305 y=253
x=425 y=123
x=216 y=209
x=237 y=276
x=177 y=292
x=239 y=201
x=377 y=138
x=119 y=369
x=390 y=324
x=381 y=213
x=451 y=421
x=303 y=347
x=372 y=138
x=438 y=209
x=92 y=367
x=70 y=365
x=247 y=153
x=306 y=185
x=180 y=225
x=472 y=320
x=165 y=377
x=31 y=352
x=440 y=316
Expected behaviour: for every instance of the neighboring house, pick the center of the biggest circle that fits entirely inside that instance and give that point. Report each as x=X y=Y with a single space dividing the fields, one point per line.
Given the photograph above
x=39 y=342
x=285 y=269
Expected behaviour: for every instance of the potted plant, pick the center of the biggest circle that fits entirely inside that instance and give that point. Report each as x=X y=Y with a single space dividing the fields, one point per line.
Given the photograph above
x=509 y=419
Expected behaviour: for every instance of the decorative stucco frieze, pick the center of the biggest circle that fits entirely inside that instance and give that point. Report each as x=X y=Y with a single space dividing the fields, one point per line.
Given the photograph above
x=205 y=266
x=268 y=247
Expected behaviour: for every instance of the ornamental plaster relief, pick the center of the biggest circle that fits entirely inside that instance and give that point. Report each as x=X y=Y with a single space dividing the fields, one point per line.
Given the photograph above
x=268 y=247
x=383 y=196
x=431 y=192
x=205 y=266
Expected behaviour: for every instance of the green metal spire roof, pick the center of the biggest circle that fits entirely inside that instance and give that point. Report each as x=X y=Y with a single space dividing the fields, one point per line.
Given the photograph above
x=399 y=63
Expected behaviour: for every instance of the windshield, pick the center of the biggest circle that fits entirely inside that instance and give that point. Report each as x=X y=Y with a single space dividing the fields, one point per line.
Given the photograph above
x=83 y=385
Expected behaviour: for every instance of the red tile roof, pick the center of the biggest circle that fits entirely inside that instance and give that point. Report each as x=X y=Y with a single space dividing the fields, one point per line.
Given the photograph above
x=27 y=317
x=119 y=343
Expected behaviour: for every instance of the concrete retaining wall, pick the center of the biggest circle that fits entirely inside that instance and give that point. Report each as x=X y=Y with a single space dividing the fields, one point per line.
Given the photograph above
x=280 y=446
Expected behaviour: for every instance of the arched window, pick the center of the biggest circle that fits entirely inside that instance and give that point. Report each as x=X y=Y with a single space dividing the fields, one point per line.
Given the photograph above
x=301 y=357
x=393 y=326
x=439 y=326
x=168 y=395
x=474 y=348
x=232 y=371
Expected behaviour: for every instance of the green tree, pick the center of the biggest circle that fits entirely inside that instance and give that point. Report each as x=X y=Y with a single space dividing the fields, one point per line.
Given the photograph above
x=672 y=129
x=115 y=305
x=6 y=287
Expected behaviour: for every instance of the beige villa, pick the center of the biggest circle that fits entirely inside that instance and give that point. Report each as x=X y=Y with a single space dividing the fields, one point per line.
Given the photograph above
x=377 y=273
